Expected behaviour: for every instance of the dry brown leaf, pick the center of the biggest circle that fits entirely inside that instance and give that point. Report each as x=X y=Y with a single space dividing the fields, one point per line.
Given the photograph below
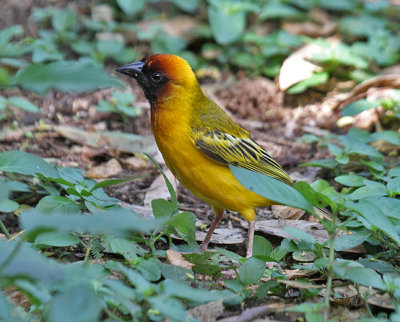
x=223 y=236
x=297 y=273
x=158 y=188
x=176 y=258
x=377 y=299
x=296 y=284
x=135 y=163
x=105 y=170
x=321 y=26
x=286 y=212
x=208 y=312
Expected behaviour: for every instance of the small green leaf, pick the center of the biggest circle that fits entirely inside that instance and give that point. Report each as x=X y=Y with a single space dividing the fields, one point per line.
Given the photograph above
x=301 y=235
x=251 y=271
x=56 y=239
x=112 y=182
x=76 y=303
x=359 y=106
x=365 y=276
x=261 y=246
x=58 y=204
x=162 y=208
x=7 y=205
x=314 y=80
x=149 y=269
x=130 y=7
x=26 y=163
x=76 y=76
x=349 y=241
x=271 y=188
x=350 y=180
x=23 y=104
x=389 y=136
x=323 y=163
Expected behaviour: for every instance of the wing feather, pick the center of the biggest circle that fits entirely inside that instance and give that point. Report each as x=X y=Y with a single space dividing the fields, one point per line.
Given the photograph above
x=226 y=149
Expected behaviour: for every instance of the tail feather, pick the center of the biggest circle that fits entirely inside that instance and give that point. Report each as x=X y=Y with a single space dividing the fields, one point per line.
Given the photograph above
x=323 y=213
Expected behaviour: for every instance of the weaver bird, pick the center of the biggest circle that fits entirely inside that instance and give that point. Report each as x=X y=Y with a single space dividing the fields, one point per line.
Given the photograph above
x=198 y=140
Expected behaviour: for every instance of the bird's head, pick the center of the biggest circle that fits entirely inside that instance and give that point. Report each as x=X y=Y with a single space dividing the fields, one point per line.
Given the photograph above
x=162 y=76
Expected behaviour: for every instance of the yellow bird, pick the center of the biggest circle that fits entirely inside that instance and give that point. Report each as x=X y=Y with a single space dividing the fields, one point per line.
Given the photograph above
x=198 y=140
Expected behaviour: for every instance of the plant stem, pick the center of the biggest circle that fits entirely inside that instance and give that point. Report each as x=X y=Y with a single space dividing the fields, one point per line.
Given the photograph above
x=4 y=229
x=330 y=275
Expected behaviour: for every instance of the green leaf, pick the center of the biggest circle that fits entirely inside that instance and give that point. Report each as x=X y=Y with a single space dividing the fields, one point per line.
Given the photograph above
x=226 y=24
x=323 y=163
x=271 y=188
x=261 y=246
x=349 y=241
x=26 y=163
x=117 y=245
x=170 y=307
x=279 y=10
x=314 y=197
x=389 y=206
x=162 y=208
x=368 y=191
x=77 y=303
x=23 y=104
x=189 y=6
x=359 y=106
x=65 y=76
x=112 y=182
x=389 y=136
x=393 y=185
x=63 y=19
x=300 y=235
x=314 y=80
x=149 y=269
x=394 y=172
x=365 y=276
x=110 y=48
x=251 y=271
x=7 y=205
x=350 y=180
x=374 y=215
x=57 y=204
x=130 y=7
x=56 y=239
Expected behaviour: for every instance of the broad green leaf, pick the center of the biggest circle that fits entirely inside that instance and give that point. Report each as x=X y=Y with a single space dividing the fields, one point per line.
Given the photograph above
x=362 y=25
x=375 y=216
x=389 y=206
x=117 y=245
x=63 y=19
x=164 y=43
x=350 y=180
x=271 y=188
x=359 y=106
x=170 y=307
x=115 y=221
x=149 y=269
x=26 y=163
x=349 y=241
x=76 y=303
x=393 y=186
x=7 y=205
x=323 y=163
x=261 y=246
x=189 y=6
x=279 y=10
x=394 y=172
x=112 y=182
x=365 y=276
x=251 y=271
x=130 y=7
x=65 y=76
x=367 y=192
x=300 y=235
x=58 y=204
x=56 y=239
x=110 y=48
x=389 y=136
x=314 y=80
x=162 y=208
x=314 y=197
x=23 y=104
x=226 y=24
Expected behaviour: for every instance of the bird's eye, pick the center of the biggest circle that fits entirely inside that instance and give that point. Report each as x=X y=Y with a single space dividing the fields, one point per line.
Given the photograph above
x=157 y=77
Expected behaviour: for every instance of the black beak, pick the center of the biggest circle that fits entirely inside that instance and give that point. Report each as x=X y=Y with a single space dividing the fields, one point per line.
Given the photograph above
x=133 y=70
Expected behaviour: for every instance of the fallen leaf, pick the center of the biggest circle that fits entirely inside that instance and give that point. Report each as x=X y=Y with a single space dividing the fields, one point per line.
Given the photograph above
x=110 y=140
x=286 y=212
x=297 y=68
x=106 y=170
x=223 y=236
x=176 y=258
x=297 y=273
x=135 y=163
x=319 y=24
x=297 y=284
x=208 y=312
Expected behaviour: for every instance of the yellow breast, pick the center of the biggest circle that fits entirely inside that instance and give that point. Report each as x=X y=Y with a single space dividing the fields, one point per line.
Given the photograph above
x=211 y=182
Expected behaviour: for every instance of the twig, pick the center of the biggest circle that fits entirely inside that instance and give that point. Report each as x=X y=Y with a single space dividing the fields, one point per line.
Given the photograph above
x=4 y=229
x=254 y=313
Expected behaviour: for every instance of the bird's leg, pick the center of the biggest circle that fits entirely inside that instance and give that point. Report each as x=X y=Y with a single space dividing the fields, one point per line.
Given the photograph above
x=250 y=239
x=218 y=213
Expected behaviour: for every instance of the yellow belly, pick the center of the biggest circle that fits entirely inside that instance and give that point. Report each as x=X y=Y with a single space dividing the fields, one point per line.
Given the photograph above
x=211 y=182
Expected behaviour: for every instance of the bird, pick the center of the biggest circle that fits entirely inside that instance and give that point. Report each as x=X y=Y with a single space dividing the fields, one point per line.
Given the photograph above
x=199 y=141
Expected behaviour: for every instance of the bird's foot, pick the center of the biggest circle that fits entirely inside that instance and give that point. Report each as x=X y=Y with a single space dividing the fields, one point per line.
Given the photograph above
x=270 y=265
